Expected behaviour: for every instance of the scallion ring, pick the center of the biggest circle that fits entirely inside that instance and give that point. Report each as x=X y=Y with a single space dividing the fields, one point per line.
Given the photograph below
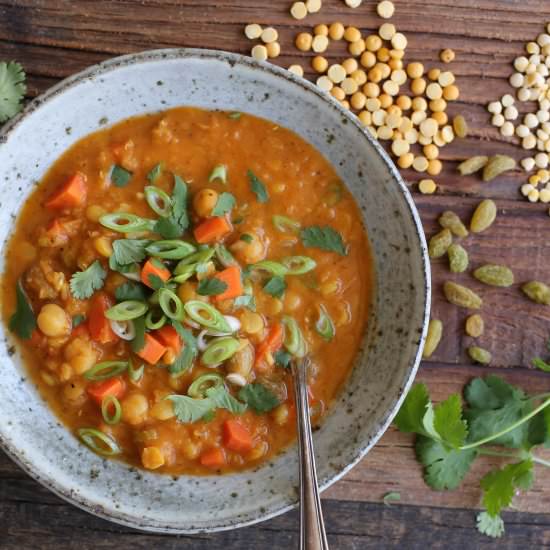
x=133 y=273
x=206 y=315
x=198 y=257
x=124 y=329
x=170 y=250
x=89 y=436
x=219 y=350
x=286 y=225
x=298 y=265
x=106 y=369
x=111 y=402
x=186 y=272
x=294 y=340
x=224 y=256
x=126 y=223
x=324 y=325
x=275 y=268
x=124 y=311
x=159 y=201
x=155 y=319
x=135 y=375
x=170 y=304
x=198 y=387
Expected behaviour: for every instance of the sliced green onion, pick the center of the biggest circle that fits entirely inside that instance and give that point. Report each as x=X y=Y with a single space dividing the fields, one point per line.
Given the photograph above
x=133 y=271
x=294 y=340
x=170 y=250
x=135 y=375
x=186 y=272
x=159 y=201
x=275 y=268
x=219 y=350
x=109 y=402
x=129 y=309
x=197 y=258
x=126 y=223
x=298 y=265
x=89 y=437
x=153 y=324
x=286 y=225
x=199 y=386
x=155 y=172
x=170 y=304
x=324 y=325
x=105 y=370
x=206 y=315
x=224 y=256
x=218 y=173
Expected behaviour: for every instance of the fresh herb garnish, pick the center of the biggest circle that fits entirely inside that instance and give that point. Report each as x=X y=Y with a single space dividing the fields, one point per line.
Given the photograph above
x=155 y=281
x=257 y=187
x=12 y=89
x=154 y=173
x=78 y=320
x=540 y=364
x=226 y=201
x=174 y=225
x=211 y=287
x=219 y=172
x=130 y=291
x=323 y=237
x=246 y=237
x=276 y=286
x=23 y=321
x=246 y=300
x=235 y=115
x=120 y=176
x=259 y=398
x=449 y=439
x=139 y=339
x=129 y=251
x=390 y=497
x=282 y=358
x=222 y=399
x=189 y=350
x=84 y=283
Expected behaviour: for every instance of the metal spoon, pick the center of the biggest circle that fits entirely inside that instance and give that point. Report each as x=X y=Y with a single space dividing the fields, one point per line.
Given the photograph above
x=312 y=527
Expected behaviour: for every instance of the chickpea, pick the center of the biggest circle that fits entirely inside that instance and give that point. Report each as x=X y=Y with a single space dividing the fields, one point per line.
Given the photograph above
x=186 y=291
x=80 y=354
x=204 y=202
x=292 y=301
x=258 y=451
x=251 y=322
x=190 y=450
x=152 y=458
x=135 y=408
x=74 y=391
x=94 y=212
x=163 y=410
x=281 y=414
x=273 y=306
x=249 y=253
x=241 y=362
x=53 y=321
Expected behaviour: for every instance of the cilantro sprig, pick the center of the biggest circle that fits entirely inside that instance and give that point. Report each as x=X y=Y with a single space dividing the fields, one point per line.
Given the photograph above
x=84 y=283
x=323 y=237
x=450 y=438
x=23 y=321
x=12 y=89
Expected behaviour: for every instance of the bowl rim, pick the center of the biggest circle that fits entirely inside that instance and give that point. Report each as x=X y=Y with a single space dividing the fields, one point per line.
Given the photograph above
x=164 y=54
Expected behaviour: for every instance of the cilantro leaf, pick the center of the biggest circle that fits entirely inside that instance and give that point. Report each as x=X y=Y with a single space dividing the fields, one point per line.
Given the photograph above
x=226 y=201
x=246 y=300
x=276 y=286
x=257 y=187
x=130 y=291
x=211 y=287
x=129 y=251
x=282 y=358
x=189 y=409
x=390 y=497
x=448 y=421
x=120 y=176
x=84 y=283
x=23 y=321
x=500 y=485
x=188 y=353
x=323 y=237
x=78 y=320
x=258 y=397
x=154 y=173
x=539 y=429
x=492 y=526
x=139 y=339
x=410 y=418
x=12 y=89
x=540 y=364
x=246 y=237
x=222 y=399
x=177 y=221
x=495 y=405
x=155 y=281
x=444 y=468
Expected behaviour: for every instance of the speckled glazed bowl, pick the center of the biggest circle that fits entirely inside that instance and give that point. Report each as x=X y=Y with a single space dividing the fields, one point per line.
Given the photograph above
x=152 y=81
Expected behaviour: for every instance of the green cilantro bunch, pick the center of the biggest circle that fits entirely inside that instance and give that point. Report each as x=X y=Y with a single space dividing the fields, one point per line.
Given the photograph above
x=450 y=438
x=12 y=89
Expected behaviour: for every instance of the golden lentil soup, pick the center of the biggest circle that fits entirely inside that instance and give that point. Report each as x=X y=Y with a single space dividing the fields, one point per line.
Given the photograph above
x=167 y=271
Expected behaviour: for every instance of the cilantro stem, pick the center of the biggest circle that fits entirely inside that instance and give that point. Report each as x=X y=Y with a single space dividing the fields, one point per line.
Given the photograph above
x=498 y=453
x=540 y=461
x=513 y=426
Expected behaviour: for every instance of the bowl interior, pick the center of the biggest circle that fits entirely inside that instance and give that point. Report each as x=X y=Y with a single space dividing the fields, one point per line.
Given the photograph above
x=158 y=80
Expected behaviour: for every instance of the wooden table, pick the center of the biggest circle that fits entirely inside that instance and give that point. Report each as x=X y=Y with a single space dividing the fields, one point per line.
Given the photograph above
x=55 y=38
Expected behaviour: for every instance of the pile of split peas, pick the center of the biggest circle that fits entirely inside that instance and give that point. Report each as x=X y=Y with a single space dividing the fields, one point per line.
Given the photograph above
x=395 y=100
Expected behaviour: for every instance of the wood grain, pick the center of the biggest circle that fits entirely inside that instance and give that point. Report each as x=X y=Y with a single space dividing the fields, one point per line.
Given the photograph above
x=56 y=38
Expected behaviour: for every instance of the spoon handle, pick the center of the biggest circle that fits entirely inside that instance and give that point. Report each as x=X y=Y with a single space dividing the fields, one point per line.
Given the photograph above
x=312 y=527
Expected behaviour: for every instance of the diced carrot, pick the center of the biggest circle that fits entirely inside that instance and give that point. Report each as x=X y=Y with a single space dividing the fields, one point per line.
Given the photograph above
x=80 y=330
x=213 y=458
x=71 y=194
x=101 y=389
x=212 y=229
x=236 y=437
x=153 y=267
x=232 y=278
x=152 y=351
x=168 y=336
x=271 y=344
x=98 y=325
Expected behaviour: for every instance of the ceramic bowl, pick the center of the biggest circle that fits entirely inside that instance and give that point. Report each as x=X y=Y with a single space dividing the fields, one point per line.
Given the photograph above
x=390 y=353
